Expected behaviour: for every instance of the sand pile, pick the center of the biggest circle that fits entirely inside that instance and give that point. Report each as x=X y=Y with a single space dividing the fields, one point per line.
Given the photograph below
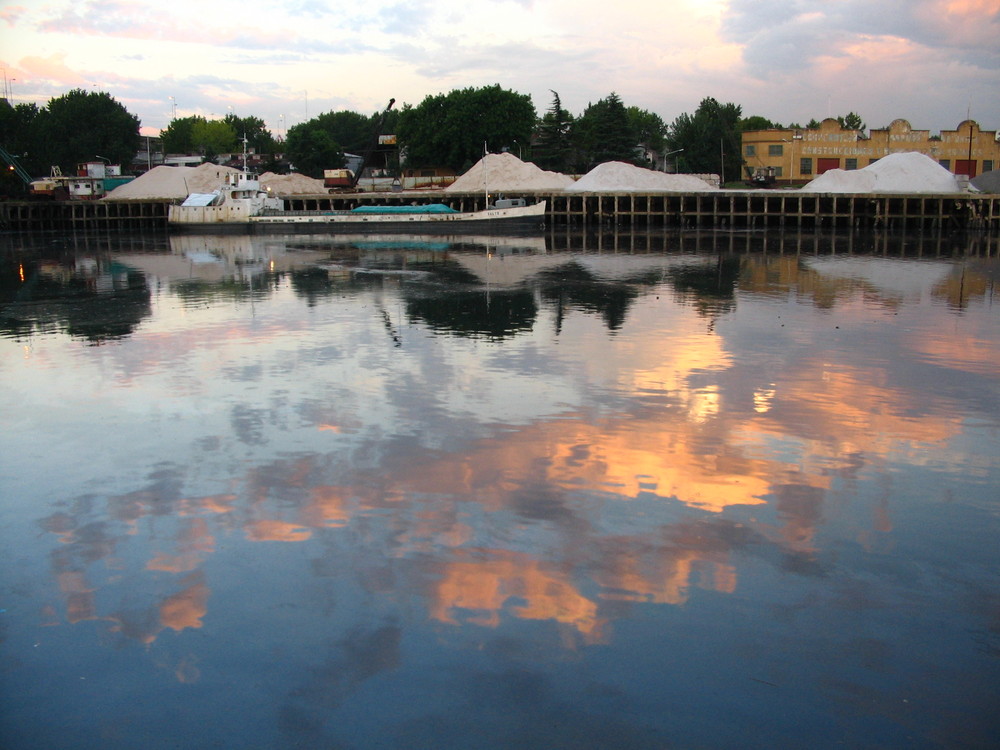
x=291 y=184
x=172 y=182
x=506 y=172
x=987 y=182
x=618 y=177
x=908 y=172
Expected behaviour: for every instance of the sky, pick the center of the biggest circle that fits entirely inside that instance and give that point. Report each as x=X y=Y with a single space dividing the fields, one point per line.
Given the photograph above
x=931 y=62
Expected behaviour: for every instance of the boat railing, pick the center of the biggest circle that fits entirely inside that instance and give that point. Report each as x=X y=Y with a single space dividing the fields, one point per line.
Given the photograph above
x=283 y=212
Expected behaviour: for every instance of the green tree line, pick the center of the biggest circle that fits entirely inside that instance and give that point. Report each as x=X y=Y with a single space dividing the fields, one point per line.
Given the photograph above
x=451 y=130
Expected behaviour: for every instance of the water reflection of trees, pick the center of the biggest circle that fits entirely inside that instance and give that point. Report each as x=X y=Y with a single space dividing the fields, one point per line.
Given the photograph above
x=710 y=287
x=573 y=286
x=475 y=312
x=91 y=298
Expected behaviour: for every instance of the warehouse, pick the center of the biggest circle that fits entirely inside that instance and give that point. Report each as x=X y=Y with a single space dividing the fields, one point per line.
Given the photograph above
x=797 y=155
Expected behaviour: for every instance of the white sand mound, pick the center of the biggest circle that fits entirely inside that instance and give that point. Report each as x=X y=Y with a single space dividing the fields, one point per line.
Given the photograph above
x=172 y=182
x=988 y=182
x=291 y=184
x=618 y=177
x=506 y=172
x=906 y=172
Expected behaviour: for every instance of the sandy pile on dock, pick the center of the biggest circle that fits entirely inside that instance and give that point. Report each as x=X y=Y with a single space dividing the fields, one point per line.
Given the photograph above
x=171 y=182
x=498 y=172
x=987 y=182
x=906 y=172
x=618 y=177
x=291 y=184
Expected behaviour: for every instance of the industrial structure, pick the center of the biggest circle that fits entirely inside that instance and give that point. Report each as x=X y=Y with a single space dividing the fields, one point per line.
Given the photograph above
x=797 y=155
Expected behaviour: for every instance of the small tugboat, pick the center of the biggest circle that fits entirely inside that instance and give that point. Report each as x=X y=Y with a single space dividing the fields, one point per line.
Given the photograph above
x=227 y=209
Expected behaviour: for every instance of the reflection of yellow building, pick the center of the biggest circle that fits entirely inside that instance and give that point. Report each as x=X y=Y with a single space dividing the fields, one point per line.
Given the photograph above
x=800 y=154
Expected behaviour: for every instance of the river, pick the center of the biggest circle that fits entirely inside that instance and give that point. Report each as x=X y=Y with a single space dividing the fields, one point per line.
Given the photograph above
x=568 y=491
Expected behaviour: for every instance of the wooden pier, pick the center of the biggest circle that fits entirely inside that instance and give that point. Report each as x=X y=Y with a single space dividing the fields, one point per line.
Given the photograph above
x=117 y=216
x=731 y=209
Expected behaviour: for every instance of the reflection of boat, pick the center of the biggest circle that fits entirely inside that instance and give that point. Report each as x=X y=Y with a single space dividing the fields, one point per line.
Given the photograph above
x=215 y=257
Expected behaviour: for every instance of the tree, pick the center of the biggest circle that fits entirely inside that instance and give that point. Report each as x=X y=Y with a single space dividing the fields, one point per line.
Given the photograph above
x=553 y=149
x=454 y=129
x=259 y=138
x=196 y=135
x=851 y=121
x=177 y=137
x=311 y=149
x=213 y=137
x=81 y=126
x=649 y=129
x=352 y=130
x=18 y=137
x=321 y=143
x=756 y=122
x=603 y=133
x=709 y=138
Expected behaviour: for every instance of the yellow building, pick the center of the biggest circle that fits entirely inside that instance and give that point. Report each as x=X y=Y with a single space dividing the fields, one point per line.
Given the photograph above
x=798 y=155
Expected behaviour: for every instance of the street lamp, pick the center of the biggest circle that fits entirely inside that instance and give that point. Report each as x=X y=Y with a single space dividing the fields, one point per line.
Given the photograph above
x=669 y=153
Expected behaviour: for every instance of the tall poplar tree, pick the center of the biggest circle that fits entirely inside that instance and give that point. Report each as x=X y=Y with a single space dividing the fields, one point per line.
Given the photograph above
x=553 y=149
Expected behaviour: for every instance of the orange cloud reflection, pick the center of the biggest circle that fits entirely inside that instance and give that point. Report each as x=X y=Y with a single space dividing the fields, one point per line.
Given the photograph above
x=276 y=531
x=79 y=596
x=196 y=543
x=186 y=608
x=485 y=586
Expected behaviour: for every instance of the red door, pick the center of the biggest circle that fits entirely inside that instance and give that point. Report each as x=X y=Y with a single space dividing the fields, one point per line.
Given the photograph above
x=966 y=166
x=825 y=165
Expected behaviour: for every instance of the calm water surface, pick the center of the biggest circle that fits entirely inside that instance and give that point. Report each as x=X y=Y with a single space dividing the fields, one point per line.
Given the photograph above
x=566 y=492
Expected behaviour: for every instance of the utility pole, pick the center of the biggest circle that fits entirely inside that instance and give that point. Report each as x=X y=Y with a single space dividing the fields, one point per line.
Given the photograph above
x=722 y=162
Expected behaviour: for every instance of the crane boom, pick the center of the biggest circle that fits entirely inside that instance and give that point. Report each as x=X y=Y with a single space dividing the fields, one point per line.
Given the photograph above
x=371 y=146
x=15 y=165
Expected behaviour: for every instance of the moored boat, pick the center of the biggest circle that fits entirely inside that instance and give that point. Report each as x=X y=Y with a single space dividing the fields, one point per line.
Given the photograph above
x=511 y=215
x=242 y=206
x=229 y=208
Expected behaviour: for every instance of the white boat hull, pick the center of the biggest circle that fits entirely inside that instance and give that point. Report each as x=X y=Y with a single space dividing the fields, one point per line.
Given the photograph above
x=520 y=218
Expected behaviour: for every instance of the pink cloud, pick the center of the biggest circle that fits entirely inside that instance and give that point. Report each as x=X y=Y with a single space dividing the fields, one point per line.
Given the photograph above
x=52 y=69
x=11 y=14
x=110 y=18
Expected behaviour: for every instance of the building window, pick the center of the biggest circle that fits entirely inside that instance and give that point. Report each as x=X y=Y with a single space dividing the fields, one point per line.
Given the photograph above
x=946 y=163
x=751 y=150
x=777 y=172
x=775 y=149
x=850 y=163
x=987 y=165
x=805 y=166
